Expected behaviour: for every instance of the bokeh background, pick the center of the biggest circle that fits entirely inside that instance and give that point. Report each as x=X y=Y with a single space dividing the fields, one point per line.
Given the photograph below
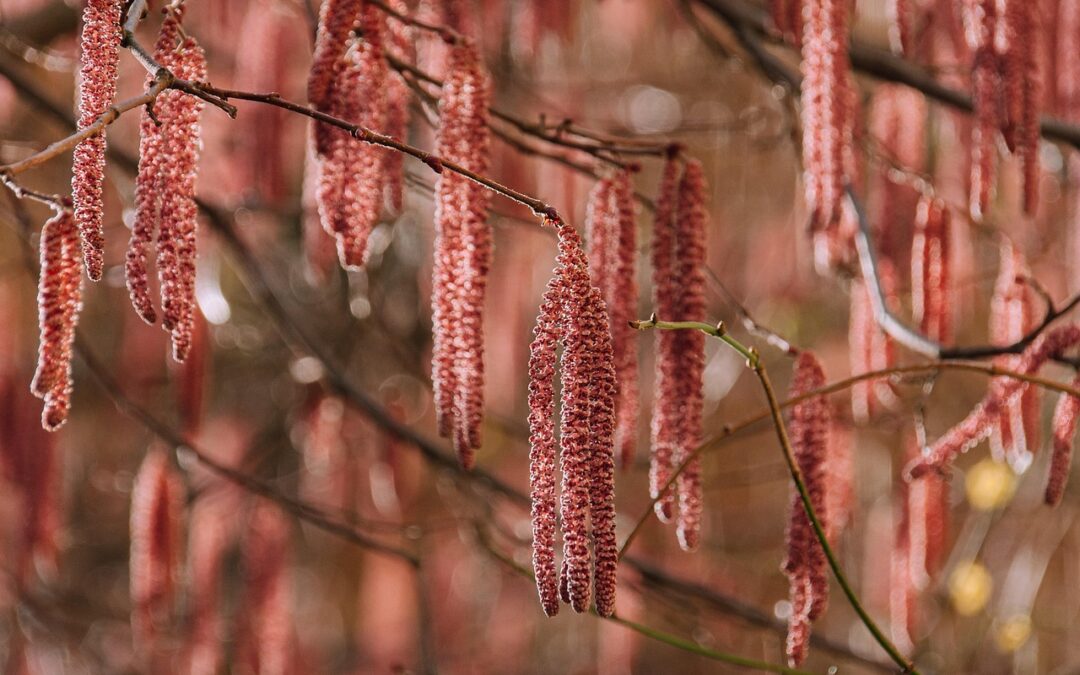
x=1005 y=599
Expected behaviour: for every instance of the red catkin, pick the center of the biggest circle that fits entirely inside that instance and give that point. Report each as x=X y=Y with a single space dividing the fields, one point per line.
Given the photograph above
x=463 y=248
x=59 y=304
x=210 y=535
x=398 y=97
x=612 y=237
x=931 y=285
x=870 y=347
x=665 y=415
x=926 y=511
x=827 y=110
x=351 y=174
x=156 y=507
x=805 y=564
x=265 y=642
x=99 y=48
x=979 y=21
x=1064 y=428
x=691 y=222
x=573 y=314
x=899 y=14
x=337 y=18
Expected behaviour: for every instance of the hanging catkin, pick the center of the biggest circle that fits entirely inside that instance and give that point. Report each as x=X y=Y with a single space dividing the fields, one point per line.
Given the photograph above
x=59 y=304
x=1015 y=434
x=612 y=237
x=665 y=414
x=265 y=638
x=99 y=48
x=350 y=191
x=156 y=508
x=573 y=314
x=827 y=111
x=1064 y=428
x=805 y=564
x=170 y=146
x=870 y=347
x=931 y=285
x=463 y=248
x=691 y=219
x=398 y=97
x=337 y=19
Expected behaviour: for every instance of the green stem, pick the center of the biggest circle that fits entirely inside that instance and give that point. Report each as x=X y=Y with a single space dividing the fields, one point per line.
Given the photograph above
x=755 y=364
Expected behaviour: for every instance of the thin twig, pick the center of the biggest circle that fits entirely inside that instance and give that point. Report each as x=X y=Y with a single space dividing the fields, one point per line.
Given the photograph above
x=775 y=411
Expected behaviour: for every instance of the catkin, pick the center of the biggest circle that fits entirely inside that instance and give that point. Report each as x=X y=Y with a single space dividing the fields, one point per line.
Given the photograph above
x=156 y=509
x=931 y=284
x=463 y=249
x=1064 y=428
x=59 y=304
x=805 y=563
x=573 y=314
x=337 y=18
x=100 y=52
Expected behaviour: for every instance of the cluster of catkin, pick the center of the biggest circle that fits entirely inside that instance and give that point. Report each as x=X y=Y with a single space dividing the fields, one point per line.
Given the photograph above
x=264 y=633
x=462 y=255
x=612 y=236
x=678 y=257
x=1004 y=37
x=165 y=211
x=806 y=565
x=349 y=79
x=573 y=317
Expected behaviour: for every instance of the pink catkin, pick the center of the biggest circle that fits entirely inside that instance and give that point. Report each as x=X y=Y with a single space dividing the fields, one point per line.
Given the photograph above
x=1003 y=392
x=210 y=535
x=899 y=14
x=870 y=347
x=398 y=97
x=337 y=18
x=463 y=248
x=898 y=118
x=1064 y=428
x=805 y=564
x=612 y=237
x=826 y=109
x=931 y=284
x=59 y=304
x=99 y=48
x=266 y=642
x=351 y=175
x=665 y=416
x=1012 y=315
x=979 y=21
x=573 y=314
x=691 y=223
x=925 y=517
x=149 y=185
x=156 y=503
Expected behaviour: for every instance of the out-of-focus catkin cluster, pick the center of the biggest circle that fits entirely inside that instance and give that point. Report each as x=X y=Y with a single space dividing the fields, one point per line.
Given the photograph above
x=573 y=316
x=1003 y=393
x=870 y=347
x=59 y=304
x=462 y=256
x=678 y=257
x=931 y=283
x=99 y=52
x=612 y=237
x=828 y=116
x=156 y=508
x=1006 y=83
x=1013 y=314
x=806 y=565
x=165 y=211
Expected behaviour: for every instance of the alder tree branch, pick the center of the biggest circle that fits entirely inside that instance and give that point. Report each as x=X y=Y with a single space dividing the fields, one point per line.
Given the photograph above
x=753 y=361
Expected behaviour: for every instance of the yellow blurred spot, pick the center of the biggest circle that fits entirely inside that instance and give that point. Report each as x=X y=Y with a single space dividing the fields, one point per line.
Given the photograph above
x=970 y=586
x=1013 y=633
x=990 y=485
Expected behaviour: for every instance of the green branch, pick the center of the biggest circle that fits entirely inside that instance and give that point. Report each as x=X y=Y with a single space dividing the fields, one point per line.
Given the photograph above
x=753 y=361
